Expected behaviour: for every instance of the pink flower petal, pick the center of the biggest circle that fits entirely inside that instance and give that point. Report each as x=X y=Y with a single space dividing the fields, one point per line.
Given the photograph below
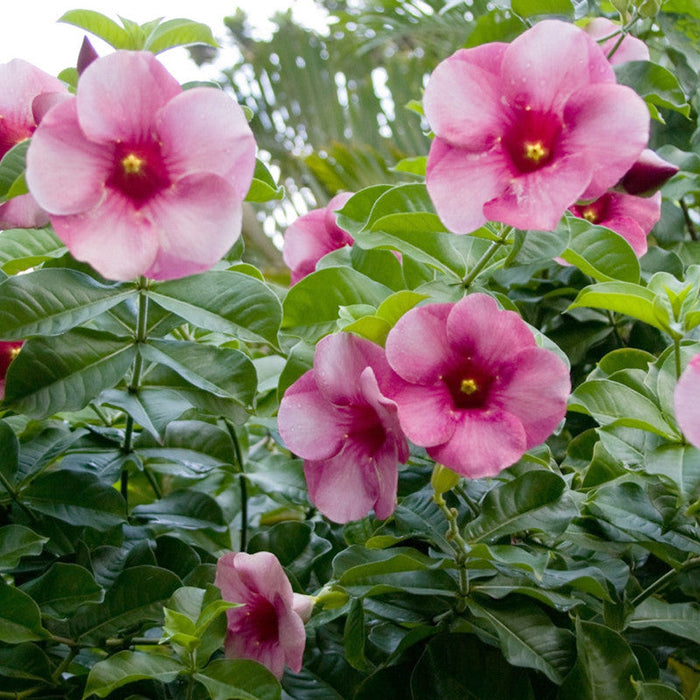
x=426 y=413
x=339 y=235
x=22 y=212
x=462 y=98
x=538 y=200
x=417 y=347
x=484 y=443
x=198 y=219
x=113 y=237
x=310 y=426
x=203 y=129
x=477 y=327
x=306 y=241
x=609 y=124
x=648 y=173
x=631 y=48
x=453 y=172
x=126 y=110
x=549 y=62
x=686 y=401
x=42 y=103
x=534 y=386
x=66 y=173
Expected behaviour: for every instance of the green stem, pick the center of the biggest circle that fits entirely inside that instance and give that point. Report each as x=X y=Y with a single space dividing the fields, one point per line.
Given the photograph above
x=152 y=481
x=664 y=580
x=617 y=45
x=243 y=484
x=56 y=675
x=14 y=496
x=486 y=257
x=688 y=220
x=677 y=354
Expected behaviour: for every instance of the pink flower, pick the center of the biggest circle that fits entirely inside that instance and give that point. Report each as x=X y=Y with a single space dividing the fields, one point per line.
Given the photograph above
x=524 y=130
x=632 y=217
x=268 y=626
x=338 y=419
x=8 y=352
x=686 y=401
x=23 y=87
x=139 y=177
x=648 y=174
x=479 y=392
x=630 y=49
x=312 y=236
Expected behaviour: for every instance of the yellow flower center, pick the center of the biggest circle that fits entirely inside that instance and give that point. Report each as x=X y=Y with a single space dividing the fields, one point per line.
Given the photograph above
x=13 y=353
x=590 y=214
x=535 y=151
x=468 y=387
x=132 y=164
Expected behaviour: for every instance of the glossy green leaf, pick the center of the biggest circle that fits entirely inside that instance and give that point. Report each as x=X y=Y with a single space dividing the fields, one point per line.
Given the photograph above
x=178 y=32
x=12 y=166
x=98 y=24
x=221 y=371
x=656 y=84
x=354 y=636
x=240 y=679
x=533 y=8
x=527 y=635
x=311 y=306
x=681 y=464
x=52 y=301
x=605 y=666
x=21 y=249
x=656 y=691
x=189 y=510
x=224 y=301
x=263 y=187
x=9 y=455
x=17 y=541
x=128 y=667
x=531 y=501
x=681 y=619
x=135 y=599
x=64 y=373
x=62 y=589
x=20 y=619
x=78 y=498
x=26 y=661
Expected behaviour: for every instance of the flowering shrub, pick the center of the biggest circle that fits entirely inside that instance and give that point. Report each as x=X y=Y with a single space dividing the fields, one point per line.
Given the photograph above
x=439 y=463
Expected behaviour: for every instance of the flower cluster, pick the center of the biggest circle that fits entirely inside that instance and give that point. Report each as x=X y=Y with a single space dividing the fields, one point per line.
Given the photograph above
x=466 y=381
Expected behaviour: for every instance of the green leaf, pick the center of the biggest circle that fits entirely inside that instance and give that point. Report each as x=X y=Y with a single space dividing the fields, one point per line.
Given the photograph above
x=178 y=32
x=17 y=541
x=622 y=297
x=605 y=666
x=78 y=498
x=533 y=8
x=52 y=301
x=188 y=510
x=223 y=372
x=656 y=84
x=21 y=248
x=9 y=455
x=12 y=166
x=20 y=619
x=239 y=678
x=601 y=253
x=128 y=667
x=26 y=661
x=101 y=26
x=64 y=373
x=62 y=589
x=681 y=619
x=531 y=501
x=681 y=464
x=263 y=187
x=354 y=636
x=135 y=599
x=655 y=691
x=527 y=635
x=224 y=301
x=311 y=306
x=612 y=403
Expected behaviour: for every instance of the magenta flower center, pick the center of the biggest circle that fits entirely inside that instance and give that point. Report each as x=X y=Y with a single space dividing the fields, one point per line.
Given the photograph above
x=531 y=138
x=469 y=386
x=12 y=134
x=595 y=212
x=139 y=171
x=257 y=621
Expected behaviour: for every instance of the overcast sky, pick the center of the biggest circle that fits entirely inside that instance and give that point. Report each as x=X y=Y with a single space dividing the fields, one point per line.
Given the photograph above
x=29 y=28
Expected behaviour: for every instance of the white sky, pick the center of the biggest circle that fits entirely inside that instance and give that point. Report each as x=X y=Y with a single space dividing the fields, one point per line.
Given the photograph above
x=29 y=28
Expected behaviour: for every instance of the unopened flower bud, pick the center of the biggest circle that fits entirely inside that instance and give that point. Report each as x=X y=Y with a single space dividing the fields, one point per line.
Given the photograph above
x=443 y=479
x=86 y=56
x=647 y=174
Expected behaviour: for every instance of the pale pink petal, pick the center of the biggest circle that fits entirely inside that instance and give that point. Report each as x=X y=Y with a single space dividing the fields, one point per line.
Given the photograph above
x=533 y=386
x=310 y=426
x=549 y=62
x=478 y=329
x=417 y=347
x=538 y=200
x=113 y=237
x=484 y=442
x=339 y=360
x=306 y=241
x=687 y=403
x=66 y=173
x=460 y=183
x=20 y=83
x=462 y=100
x=204 y=129
x=609 y=125
x=303 y=605
x=631 y=231
x=427 y=413
x=113 y=105
x=198 y=219
x=292 y=637
x=631 y=48
x=42 y=103
x=339 y=235
x=22 y=212
x=262 y=573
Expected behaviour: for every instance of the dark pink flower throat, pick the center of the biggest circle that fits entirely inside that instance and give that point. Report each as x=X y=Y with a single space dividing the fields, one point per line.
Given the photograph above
x=139 y=171
x=469 y=386
x=531 y=138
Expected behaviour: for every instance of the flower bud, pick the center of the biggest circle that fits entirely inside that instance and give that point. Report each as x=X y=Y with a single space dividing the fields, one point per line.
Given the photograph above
x=443 y=479
x=648 y=174
x=86 y=56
